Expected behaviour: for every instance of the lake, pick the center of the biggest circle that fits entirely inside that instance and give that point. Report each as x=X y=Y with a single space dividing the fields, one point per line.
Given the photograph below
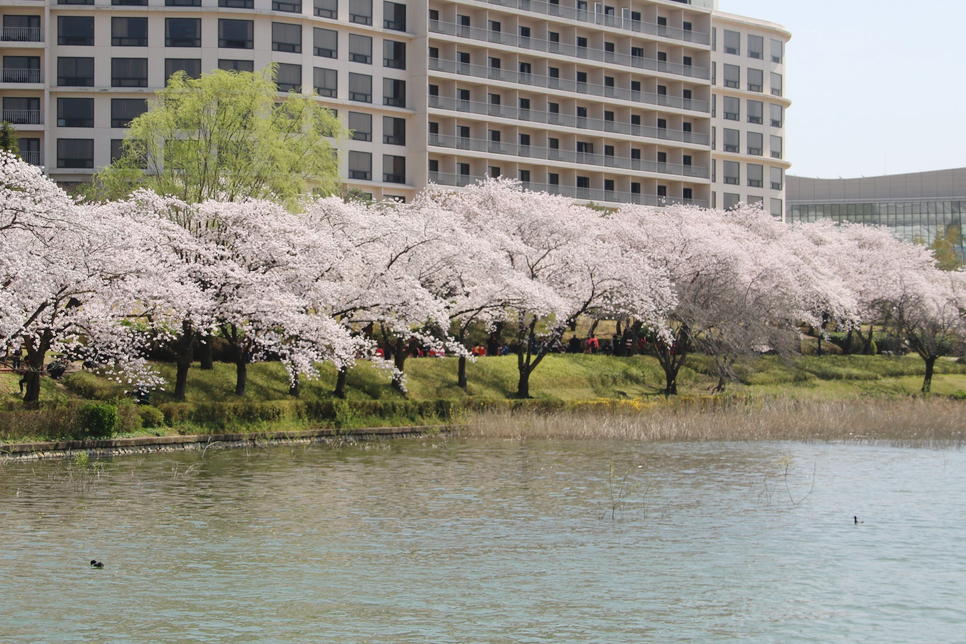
x=439 y=541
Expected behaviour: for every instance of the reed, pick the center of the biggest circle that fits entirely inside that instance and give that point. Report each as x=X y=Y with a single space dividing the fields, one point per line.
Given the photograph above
x=936 y=421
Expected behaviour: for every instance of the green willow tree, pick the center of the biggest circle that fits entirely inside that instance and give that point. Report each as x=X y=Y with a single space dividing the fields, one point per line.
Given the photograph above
x=227 y=135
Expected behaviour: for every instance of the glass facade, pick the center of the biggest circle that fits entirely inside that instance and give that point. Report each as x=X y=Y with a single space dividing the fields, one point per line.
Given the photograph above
x=910 y=219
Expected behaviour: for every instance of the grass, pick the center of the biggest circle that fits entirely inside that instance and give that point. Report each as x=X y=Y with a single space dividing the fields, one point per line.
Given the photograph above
x=564 y=386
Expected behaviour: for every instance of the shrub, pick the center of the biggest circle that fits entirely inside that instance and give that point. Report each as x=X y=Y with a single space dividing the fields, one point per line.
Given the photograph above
x=92 y=387
x=98 y=420
x=151 y=416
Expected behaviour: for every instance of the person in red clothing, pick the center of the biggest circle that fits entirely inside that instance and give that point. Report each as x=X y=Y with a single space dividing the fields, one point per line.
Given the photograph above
x=591 y=345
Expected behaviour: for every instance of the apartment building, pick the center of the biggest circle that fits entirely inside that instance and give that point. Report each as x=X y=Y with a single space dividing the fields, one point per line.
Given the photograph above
x=748 y=113
x=609 y=104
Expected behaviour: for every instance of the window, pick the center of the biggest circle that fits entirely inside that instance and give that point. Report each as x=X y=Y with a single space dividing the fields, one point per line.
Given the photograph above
x=524 y=35
x=236 y=65
x=582 y=81
x=730 y=200
x=360 y=88
x=289 y=77
x=495 y=138
x=732 y=108
x=756 y=47
x=393 y=168
x=393 y=130
x=636 y=154
x=130 y=3
x=360 y=165
x=129 y=32
x=662 y=56
x=776 y=147
x=236 y=34
x=394 y=54
x=609 y=151
x=776 y=115
x=464 y=169
x=731 y=140
x=755 y=143
x=662 y=191
x=776 y=178
x=288 y=6
x=584 y=148
x=360 y=49
x=732 y=76
x=326 y=43
x=327 y=9
x=434 y=53
x=117 y=149
x=75 y=112
x=75 y=1
x=71 y=72
x=190 y=66
x=523 y=176
x=125 y=110
x=524 y=142
x=755 y=80
x=394 y=16
x=493 y=171
x=732 y=175
x=755 y=175
x=326 y=82
x=687 y=193
x=525 y=70
x=129 y=72
x=553 y=41
x=77 y=31
x=583 y=183
x=361 y=126
x=776 y=208
x=75 y=153
x=662 y=157
x=182 y=32
x=394 y=92
x=732 y=42
x=237 y=4
x=21 y=28
x=776 y=84
x=553 y=179
x=608 y=185
x=755 y=112
x=360 y=12
x=776 y=51
x=287 y=37
x=21 y=110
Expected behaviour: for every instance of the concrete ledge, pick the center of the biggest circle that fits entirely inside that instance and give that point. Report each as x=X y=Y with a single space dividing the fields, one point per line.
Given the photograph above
x=146 y=443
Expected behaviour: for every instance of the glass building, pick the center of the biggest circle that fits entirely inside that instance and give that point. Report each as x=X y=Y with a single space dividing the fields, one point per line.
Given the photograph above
x=915 y=206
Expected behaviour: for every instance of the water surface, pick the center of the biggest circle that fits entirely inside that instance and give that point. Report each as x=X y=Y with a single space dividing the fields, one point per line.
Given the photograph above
x=486 y=541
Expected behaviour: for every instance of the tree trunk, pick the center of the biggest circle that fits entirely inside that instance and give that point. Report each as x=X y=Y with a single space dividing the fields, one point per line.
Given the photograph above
x=36 y=354
x=295 y=386
x=241 y=373
x=399 y=361
x=183 y=354
x=461 y=373
x=927 y=381
x=204 y=354
x=340 y=381
x=867 y=345
x=848 y=343
x=523 y=386
x=181 y=379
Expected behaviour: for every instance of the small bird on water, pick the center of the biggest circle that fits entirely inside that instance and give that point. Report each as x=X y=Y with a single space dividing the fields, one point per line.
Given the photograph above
x=856 y=519
x=96 y=564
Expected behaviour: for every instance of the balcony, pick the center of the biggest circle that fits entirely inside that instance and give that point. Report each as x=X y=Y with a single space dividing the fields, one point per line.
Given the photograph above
x=566 y=85
x=585 y=53
x=23 y=117
x=22 y=34
x=33 y=157
x=606 y=20
x=566 y=120
x=588 y=194
x=566 y=156
x=22 y=75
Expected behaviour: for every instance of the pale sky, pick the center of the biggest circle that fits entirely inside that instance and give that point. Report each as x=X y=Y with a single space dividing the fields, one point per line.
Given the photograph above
x=877 y=87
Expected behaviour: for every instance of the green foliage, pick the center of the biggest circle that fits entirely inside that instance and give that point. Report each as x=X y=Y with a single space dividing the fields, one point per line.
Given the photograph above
x=151 y=416
x=945 y=248
x=226 y=136
x=8 y=138
x=98 y=420
x=93 y=387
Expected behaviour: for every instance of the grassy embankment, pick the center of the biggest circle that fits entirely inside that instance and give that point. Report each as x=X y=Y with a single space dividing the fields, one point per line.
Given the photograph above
x=835 y=397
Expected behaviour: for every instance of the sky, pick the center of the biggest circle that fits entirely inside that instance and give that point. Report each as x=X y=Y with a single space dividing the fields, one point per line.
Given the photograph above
x=877 y=87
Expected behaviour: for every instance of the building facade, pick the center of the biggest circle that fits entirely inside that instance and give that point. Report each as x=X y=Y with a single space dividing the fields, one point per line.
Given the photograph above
x=609 y=104
x=915 y=206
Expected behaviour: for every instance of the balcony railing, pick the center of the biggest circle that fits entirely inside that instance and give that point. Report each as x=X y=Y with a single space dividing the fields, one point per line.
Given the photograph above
x=615 y=21
x=588 y=194
x=22 y=76
x=566 y=156
x=33 y=157
x=566 y=85
x=566 y=120
x=22 y=34
x=586 y=53
x=23 y=117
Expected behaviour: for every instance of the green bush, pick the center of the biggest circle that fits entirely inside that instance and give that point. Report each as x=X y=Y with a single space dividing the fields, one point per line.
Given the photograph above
x=151 y=416
x=98 y=420
x=92 y=387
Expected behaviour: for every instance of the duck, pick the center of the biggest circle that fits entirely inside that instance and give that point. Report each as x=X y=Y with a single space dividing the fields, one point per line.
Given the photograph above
x=96 y=564
x=856 y=519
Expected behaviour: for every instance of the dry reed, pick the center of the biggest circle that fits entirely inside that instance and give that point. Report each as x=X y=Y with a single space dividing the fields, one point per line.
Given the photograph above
x=933 y=421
